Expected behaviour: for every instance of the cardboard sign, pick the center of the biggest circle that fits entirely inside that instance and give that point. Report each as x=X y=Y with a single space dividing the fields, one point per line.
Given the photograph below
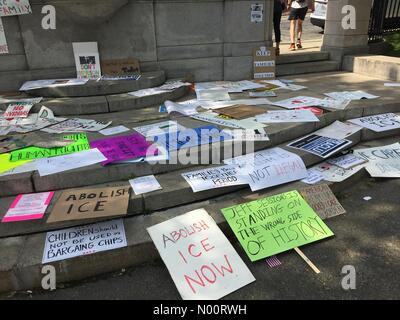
x=81 y=143
x=83 y=204
x=3 y=39
x=14 y=7
x=321 y=146
x=87 y=60
x=124 y=148
x=242 y=111
x=379 y=123
x=28 y=207
x=323 y=201
x=269 y=168
x=213 y=178
x=264 y=63
x=275 y=224
x=84 y=240
x=200 y=259
x=120 y=67
x=18 y=110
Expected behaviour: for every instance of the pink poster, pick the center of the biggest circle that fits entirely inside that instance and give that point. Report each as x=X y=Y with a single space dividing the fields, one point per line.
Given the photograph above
x=28 y=207
x=124 y=148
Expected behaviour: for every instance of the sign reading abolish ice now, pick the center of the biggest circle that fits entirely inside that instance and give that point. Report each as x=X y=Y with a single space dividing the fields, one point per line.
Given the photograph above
x=276 y=224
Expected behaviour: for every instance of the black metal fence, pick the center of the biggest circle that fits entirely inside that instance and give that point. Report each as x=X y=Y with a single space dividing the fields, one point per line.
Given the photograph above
x=385 y=18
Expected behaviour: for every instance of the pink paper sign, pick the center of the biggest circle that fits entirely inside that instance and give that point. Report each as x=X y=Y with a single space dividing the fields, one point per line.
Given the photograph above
x=28 y=207
x=124 y=148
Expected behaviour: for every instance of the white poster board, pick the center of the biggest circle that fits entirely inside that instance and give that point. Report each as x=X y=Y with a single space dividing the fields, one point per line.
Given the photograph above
x=87 y=60
x=200 y=259
x=3 y=40
x=379 y=123
x=14 y=7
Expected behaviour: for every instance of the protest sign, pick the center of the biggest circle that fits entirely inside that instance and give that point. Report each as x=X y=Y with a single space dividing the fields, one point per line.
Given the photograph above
x=213 y=95
x=276 y=224
x=313 y=177
x=214 y=118
x=87 y=60
x=321 y=146
x=334 y=104
x=257 y=13
x=379 y=123
x=191 y=138
x=200 y=259
x=186 y=108
x=82 y=204
x=120 y=67
x=7 y=165
x=262 y=94
x=323 y=201
x=14 y=7
x=18 y=110
x=80 y=143
x=314 y=110
x=113 y=131
x=224 y=104
x=392 y=84
x=54 y=83
x=347 y=161
x=3 y=39
x=298 y=102
x=124 y=148
x=49 y=166
x=77 y=125
x=383 y=162
x=269 y=168
x=231 y=86
x=159 y=128
x=213 y=178
x=339 y=130
x=264 y=66
x=146 y=184
x=351 y=95
x=247 y=135
x=241 y=112
x=333 y=173
x=27 y=167
x=84 y=240
x=287 y=116
x=28 y=207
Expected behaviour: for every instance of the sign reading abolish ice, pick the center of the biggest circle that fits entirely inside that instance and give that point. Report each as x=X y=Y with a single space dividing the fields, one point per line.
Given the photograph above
x=84 y=240
x=14 y=7
x=201 y=261
x=275 y=224
x=269 y=168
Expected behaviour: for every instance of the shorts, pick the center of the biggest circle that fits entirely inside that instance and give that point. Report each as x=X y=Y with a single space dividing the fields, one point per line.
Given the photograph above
x=296 y=14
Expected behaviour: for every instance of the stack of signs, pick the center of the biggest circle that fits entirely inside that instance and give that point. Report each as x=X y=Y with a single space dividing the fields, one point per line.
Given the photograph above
x=383 y=162
x=200 y=259
x=28 y=207
x=14 y=7
x=120 y=67
x=83 y=204
x=213 y=178
x=87 y=60
x=77 y=125
x=269 y=168
x=264 y=63
x=323 y=201
x=84 y=240
x=379 y=123
x=18 y=110
x=275 y=224
x=124 y=148
x=3 y=40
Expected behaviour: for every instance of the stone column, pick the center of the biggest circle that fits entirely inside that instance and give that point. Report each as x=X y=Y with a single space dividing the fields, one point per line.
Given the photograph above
x=337 y=40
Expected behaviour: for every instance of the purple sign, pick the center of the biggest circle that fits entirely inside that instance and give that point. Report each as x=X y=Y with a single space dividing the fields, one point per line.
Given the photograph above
x=123 y=148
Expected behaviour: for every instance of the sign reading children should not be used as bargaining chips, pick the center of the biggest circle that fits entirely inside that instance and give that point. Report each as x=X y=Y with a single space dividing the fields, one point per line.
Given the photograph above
x=276 y=224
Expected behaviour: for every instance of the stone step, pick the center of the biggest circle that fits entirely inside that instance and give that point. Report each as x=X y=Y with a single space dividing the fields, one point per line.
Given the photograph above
x=307 y=67
x=96 y=88
x=300 y=57
x=21 y=256
x=383 y=67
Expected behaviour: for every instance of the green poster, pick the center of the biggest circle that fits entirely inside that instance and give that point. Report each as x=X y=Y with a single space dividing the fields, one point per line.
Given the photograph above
x=272 y=225
x=81 y=143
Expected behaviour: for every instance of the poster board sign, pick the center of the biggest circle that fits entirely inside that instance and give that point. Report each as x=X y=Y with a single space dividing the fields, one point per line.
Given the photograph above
x=54 y=83
x=28 y=207
x=120 y=67
x=379 y=123
x=80 y=143
x=83 y=204
x=333 y=173
x=323 y=201
x=6 y=165
x=347 y=161
x=18 y=110
x=159 y=128
x=287 y=116
x=276 y=224
x=321 y=146
x=200 y=259
x=77 y=125
x=264 y=65
x=257 y=13
x=14 y=7
x=3 y=39
x=87 y=60
x=84 y=240
x=145 y=184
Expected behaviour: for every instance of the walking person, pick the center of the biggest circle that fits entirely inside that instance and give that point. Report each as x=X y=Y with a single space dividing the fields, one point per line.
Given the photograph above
x=279 y=7
x=298 y=11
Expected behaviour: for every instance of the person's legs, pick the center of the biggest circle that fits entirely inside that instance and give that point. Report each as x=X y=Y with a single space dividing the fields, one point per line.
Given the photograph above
x=277 y=27
x=299 y=32
x=292 y=34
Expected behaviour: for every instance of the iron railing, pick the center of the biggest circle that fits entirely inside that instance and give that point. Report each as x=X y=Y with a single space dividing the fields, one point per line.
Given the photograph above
x=385 y=18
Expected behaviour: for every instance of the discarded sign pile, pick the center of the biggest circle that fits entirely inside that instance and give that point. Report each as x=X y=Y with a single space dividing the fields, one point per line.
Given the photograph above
x=209 y=267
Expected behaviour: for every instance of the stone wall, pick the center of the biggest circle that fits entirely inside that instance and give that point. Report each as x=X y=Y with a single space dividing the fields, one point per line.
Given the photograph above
x=208 y=39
